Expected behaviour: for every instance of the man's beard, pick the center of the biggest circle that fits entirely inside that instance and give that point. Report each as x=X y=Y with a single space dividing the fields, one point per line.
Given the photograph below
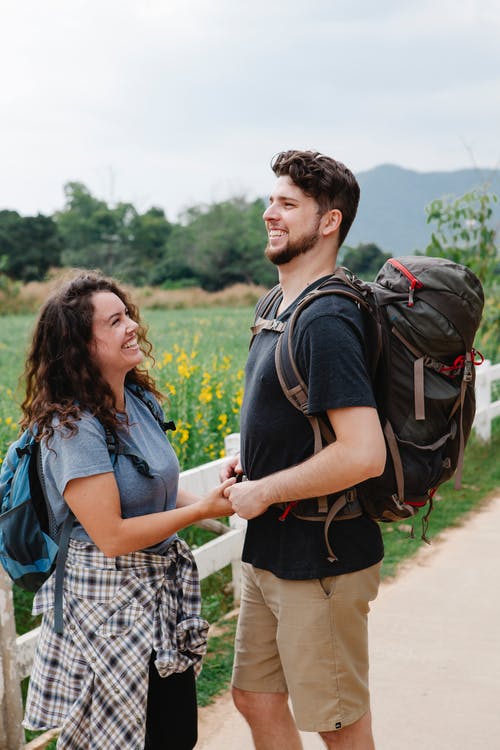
x=301 y=246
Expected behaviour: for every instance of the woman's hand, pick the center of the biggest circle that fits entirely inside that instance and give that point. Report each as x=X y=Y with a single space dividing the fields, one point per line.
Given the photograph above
x=215 y=503
x=95 y=501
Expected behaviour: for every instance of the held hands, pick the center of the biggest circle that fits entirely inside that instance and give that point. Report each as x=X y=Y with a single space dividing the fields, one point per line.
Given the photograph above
x=215 y=503
x=249 y=499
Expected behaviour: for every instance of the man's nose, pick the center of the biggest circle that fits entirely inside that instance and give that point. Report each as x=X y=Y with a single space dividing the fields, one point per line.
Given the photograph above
x=270 y=213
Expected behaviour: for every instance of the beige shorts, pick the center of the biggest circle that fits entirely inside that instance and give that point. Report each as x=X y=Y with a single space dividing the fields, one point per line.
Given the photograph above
x=309 y=639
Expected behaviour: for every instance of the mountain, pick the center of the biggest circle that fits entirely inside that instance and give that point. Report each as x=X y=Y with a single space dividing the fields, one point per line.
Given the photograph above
x=392 y=207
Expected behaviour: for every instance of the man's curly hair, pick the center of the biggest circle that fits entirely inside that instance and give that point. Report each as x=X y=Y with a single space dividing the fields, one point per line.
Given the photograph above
x=62 y=379
x=329 y=182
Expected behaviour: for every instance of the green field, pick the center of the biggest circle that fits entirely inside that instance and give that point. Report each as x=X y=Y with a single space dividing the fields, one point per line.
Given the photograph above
x=200 y=356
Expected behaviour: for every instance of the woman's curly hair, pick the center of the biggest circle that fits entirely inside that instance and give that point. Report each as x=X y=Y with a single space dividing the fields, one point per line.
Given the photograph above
x=62 y=379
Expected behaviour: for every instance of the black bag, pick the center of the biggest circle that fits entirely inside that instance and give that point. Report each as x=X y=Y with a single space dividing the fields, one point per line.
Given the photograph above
x=421 y=318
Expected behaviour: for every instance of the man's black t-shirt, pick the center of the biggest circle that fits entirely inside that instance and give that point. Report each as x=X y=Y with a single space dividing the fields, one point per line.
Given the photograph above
x=330 y=352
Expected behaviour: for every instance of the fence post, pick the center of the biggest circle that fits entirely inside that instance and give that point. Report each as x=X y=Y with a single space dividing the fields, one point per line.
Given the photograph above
x=11 y=707
x=232 y=446
x=482 y=422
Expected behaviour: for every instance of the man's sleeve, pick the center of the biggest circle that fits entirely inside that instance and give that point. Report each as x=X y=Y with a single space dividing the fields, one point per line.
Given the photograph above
x=331 y=354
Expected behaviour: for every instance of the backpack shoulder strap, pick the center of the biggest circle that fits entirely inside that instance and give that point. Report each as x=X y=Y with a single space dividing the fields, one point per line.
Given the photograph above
x=262 y=310
x=113 y=444
x=147 y=398
x=59 y=573
x=293 y=384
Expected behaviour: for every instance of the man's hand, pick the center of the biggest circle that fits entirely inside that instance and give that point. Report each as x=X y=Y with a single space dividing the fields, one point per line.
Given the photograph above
x=230 y=468
x=249 y=499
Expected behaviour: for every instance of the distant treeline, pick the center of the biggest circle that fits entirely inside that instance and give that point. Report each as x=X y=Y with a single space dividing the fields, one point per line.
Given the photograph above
x=212 y=246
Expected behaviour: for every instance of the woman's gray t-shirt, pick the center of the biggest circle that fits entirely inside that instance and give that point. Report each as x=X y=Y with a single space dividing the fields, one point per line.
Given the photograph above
x=85 y=454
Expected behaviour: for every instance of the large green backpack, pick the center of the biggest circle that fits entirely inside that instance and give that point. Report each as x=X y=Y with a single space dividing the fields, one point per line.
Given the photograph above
x=421 y=318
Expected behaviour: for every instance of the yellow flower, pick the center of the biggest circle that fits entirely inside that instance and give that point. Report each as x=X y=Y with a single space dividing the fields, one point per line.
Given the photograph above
x=183 y=370
x=205 y=395
x=182 y=432
x=8 y=420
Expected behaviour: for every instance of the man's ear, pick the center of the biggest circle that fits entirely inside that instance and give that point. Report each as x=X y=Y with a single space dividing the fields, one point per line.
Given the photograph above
x=331 y=221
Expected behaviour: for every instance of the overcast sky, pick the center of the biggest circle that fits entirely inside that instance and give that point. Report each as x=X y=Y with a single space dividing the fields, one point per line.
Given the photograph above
x=180 y=102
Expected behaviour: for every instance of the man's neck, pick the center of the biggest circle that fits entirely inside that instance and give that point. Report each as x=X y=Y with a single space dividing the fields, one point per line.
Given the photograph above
x=295 y=277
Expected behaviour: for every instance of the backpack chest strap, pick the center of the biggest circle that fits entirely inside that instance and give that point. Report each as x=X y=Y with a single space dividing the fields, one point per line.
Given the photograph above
x=264 y=324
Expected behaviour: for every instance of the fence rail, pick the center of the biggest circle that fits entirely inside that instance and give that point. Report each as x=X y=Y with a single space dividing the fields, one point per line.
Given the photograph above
x=16 y=654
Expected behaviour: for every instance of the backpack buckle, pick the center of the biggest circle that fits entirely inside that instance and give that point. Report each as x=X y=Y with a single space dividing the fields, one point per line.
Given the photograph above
x=468 y=369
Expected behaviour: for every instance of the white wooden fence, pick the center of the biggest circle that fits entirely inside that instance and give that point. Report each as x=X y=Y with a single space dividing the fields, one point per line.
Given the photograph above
x=16 y=653
x=487 y=387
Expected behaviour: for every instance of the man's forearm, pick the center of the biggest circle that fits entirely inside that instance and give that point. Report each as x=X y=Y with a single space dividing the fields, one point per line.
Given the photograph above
x=335 y=468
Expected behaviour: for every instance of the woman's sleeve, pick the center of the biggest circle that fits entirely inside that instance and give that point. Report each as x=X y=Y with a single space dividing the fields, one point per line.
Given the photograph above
x=72 y=456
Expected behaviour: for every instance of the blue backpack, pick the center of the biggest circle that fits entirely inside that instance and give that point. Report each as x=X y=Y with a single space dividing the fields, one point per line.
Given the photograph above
x=30 y=546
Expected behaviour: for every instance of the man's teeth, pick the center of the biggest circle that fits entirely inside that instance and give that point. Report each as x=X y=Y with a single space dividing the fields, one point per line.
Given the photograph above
x=276 y=233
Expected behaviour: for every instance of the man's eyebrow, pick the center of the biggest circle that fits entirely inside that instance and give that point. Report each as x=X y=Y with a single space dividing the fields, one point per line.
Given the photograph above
x=283 y=197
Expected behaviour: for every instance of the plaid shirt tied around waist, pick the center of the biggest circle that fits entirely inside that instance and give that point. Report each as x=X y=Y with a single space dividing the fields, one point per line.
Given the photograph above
x=93 y=679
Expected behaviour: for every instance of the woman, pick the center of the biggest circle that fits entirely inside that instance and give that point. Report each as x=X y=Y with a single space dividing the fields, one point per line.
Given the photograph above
x=122 y=672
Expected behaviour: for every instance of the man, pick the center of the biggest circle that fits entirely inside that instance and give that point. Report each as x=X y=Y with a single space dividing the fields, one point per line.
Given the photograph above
x=302 y=632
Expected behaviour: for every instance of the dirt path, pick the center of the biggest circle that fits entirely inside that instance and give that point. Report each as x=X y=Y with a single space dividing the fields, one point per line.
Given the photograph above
x=435 y=651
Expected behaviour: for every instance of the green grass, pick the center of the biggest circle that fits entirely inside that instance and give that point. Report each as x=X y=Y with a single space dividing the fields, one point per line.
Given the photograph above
x=480 y=479
x=218 y=663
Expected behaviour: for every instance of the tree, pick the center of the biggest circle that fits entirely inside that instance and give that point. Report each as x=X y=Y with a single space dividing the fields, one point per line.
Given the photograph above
x=146 y=247
x=464 y=233
x=365 y=260
x=30 y=245
x=94 y=234
x=222 y=244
